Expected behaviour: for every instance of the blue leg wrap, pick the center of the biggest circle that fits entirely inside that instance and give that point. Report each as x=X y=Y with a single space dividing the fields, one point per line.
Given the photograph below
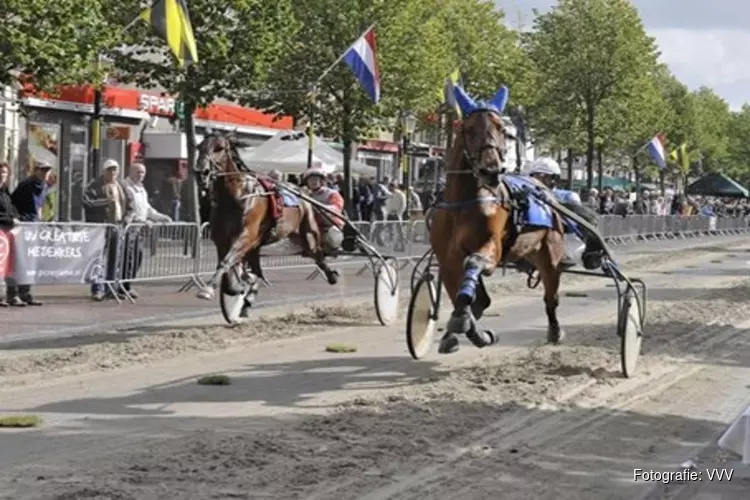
x=469 y=284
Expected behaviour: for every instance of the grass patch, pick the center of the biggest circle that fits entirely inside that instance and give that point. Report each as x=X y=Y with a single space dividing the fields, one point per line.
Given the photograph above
x=215 y=380
x=716 y=261
x=341 y=348
x=580 y=295
x=20 y=421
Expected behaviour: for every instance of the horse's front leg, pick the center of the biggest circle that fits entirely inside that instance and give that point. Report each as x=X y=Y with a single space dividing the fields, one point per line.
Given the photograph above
x=253 y=277
x=483 y=261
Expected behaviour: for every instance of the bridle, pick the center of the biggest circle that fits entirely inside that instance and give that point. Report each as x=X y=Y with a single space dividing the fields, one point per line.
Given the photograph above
x=472 y=159
x=214 y=170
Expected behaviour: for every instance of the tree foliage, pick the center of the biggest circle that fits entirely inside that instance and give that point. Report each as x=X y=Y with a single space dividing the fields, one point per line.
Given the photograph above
x=54 y=42
x=238 y=43
x=589 y=54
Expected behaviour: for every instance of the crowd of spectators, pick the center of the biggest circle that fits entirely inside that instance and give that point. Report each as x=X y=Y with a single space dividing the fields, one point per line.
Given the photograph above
x=107 y=199
x=624 y=203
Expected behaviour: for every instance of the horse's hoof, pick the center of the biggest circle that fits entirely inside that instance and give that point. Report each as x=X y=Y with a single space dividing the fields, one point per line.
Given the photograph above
x=555 y=335
x=205 y=294
x=333 y=277
x=448 y=344
x=459 y=323
x=482 y=338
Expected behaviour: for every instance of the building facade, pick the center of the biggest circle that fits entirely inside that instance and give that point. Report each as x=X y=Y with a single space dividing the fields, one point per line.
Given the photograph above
x=57 y=129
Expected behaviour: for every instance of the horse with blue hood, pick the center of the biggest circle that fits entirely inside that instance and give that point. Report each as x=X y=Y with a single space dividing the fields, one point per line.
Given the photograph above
x=476 y=227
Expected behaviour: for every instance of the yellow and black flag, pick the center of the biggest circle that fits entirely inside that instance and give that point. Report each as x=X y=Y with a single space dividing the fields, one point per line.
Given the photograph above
x=171 y=21
x=681 y=157
x=445 y=93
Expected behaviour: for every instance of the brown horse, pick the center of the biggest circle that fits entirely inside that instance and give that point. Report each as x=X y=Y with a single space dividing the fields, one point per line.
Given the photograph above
x=244 y=218
x=473 y=229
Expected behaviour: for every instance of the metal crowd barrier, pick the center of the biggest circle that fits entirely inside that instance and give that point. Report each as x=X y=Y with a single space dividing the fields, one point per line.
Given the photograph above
x=183 y=254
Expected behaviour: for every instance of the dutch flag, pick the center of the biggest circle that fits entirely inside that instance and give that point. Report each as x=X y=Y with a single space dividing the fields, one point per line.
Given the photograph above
x=362 y=59
x=656 y=149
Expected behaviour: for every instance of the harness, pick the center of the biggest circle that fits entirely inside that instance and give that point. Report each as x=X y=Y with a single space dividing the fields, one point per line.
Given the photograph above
x=253 y=185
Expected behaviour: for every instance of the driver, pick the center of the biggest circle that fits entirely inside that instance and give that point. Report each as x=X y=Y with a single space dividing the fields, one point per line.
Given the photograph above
x=547 y=171
x=330 y=226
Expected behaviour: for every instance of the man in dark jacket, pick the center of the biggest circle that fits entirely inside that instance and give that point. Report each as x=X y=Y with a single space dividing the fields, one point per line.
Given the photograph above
x=28 y=199
x=8 y=213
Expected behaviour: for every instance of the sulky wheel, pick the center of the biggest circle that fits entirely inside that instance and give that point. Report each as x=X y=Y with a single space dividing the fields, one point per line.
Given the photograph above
x=387 y=291
x=421 y=318
x=630 y=330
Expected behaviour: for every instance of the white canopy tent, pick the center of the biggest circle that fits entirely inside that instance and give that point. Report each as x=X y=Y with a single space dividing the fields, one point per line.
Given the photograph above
x=287 y=152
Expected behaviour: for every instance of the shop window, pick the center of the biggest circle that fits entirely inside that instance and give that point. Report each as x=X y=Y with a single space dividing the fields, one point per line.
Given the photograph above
x=43 y=144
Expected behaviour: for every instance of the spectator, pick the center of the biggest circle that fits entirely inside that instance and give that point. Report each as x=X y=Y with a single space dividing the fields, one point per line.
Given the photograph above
x=173 y=188
x=380 y=197
x=28 y=198
x=366 y=198
x=414 y=201
x=141 y=213
x=395 y=207
x=274 y=175
x=8 y=214
x=104 y=201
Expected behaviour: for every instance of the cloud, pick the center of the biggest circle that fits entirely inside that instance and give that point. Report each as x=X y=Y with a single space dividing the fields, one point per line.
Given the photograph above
x=703 y=43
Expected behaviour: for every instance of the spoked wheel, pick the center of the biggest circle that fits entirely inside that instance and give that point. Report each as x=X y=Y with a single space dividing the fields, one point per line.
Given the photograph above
x=232 y=297
x=630 y=330
x=421 y=318
x=387 y=292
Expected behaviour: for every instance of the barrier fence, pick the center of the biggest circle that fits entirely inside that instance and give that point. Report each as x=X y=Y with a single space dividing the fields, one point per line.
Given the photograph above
x=112 y=257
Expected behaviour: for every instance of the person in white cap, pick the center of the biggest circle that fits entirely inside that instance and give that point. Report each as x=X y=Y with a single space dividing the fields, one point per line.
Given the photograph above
x=105 y=202
x=275 y=175
x=547 y=171
x=331 y=227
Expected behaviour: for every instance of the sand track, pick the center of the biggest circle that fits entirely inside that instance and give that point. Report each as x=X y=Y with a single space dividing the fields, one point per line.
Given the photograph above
x=529 y=420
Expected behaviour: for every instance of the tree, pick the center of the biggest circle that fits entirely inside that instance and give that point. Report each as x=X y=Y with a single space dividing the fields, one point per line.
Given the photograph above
x=412 y=63
x=738 y=146
x=54 y=43
x=588 y=53
x=238 y=43
x=711 y=128
x=485 y=50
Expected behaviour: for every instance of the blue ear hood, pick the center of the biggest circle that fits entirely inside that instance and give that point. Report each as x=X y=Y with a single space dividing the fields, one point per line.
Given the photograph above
x=468 y=105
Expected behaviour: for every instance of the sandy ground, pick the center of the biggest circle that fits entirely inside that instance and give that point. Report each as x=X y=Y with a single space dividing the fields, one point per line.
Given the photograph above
x=125 y=418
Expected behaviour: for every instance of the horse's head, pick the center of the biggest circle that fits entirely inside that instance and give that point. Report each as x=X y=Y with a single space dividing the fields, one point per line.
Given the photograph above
x=217 y=155
x=214 y=157
x=482 y=142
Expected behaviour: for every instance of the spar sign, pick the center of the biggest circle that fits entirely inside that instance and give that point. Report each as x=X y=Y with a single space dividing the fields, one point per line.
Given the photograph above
x=52 y=253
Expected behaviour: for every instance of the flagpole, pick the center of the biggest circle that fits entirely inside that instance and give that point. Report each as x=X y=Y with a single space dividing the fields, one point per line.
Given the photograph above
x=314 y=98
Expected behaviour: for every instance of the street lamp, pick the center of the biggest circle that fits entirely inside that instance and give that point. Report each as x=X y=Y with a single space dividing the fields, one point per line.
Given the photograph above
x=408 y=124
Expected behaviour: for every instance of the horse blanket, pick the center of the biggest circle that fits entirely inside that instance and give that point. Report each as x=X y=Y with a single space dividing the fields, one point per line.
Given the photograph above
x=280 y=197
x=533 y=211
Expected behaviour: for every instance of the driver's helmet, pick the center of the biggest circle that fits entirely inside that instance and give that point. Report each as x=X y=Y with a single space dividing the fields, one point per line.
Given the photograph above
x=544 y=166
x=313 y=172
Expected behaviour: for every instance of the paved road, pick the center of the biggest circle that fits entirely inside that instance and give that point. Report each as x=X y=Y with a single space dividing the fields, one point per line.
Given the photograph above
x=530 y=422
x=69 y=311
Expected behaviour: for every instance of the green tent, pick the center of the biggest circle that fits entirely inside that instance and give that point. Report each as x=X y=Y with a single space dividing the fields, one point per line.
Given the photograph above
x=717 y=185
x=607 y=181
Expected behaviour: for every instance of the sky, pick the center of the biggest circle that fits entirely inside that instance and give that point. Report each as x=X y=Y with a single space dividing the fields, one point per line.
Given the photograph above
x=702 y=42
